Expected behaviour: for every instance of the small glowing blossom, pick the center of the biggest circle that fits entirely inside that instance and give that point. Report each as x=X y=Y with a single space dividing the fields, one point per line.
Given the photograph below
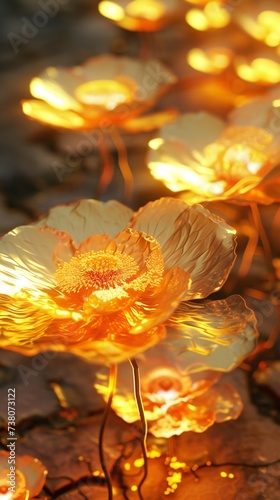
x=207 y=159
x=212 y=16
x=30 y=477
x=261 y=20
x=140 y=15
x=105 y=92
x=176 y=397
x=258 y=68
x=103 y=282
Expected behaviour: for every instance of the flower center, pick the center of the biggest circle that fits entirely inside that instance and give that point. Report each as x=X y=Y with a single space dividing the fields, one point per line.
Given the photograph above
x=95 y=271
x=106 y=94
x=164 y=386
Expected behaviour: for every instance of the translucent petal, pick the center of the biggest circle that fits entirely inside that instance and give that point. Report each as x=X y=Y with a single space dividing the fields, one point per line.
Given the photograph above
x=219 y=333
x=219 y=404
x=43 y=112
x=149 y=122
x=88 y=217
x=191 y=238
x=26 y=259
x=34 y=473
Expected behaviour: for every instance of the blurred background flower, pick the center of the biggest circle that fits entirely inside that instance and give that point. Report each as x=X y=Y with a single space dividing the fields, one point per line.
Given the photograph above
x=30 y=477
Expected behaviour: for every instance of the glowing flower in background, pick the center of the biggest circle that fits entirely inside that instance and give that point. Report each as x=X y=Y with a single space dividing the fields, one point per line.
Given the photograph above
x=105 y=92
x=140 y=15
x=210 y=160
x=101 y=281
x=208 y=15
x=261 y=20
x=261 y=67
x=176 y=397
x=30 y=477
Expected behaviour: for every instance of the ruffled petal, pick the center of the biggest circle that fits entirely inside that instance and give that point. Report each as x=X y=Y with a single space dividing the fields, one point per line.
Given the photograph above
x=23 y=323
x=191 y=238
x=26 y=259
x=219 y=404
x=115 y=349
x=34 y=473
x=88 y=217
x=43 y=112
x=219 y=333
x=149 y=122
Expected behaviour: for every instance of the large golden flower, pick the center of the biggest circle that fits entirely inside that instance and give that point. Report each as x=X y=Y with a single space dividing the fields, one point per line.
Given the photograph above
x=28 y=474
x=105 y=92
x=176 y=397
x=140 y=15
x=207 y=159
x=101 y=281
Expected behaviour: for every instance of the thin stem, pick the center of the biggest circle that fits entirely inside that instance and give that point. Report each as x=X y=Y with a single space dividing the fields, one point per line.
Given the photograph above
x=249 y=252
x=264 y=239
x=138 y=398
x=123 y=165
x=111 y=390
x=107 y=169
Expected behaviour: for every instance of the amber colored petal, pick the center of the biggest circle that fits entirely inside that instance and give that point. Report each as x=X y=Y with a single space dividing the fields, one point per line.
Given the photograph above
x=219 y=404
x=26 y=259
x=88 y=217
x=219 y=333
x=195 y=130
x=43 y=112
x=94 y=243
x=149 y=122
x=22 y=324
x=111 y=350
x=34 y=473
x=192 y=238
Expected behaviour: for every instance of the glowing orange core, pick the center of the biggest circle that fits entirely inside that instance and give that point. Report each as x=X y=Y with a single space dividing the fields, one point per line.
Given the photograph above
x=96 y=271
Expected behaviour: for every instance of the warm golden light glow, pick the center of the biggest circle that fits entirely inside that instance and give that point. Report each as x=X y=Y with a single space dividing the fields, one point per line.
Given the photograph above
x=212 y=16
x=263 y=26
x=111 y=10
x=202 y=157
x=119 y=89
x=259 y=70
x=212 y=61
x=140 y=15
x=104 y=93
x=30 y=476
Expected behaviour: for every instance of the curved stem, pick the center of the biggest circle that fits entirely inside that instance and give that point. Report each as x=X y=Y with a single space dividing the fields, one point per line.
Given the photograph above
x=123 y=164
x=264 y=240
x=107 y=169
x=137 y=392
x=249 y=252
x=111 y=390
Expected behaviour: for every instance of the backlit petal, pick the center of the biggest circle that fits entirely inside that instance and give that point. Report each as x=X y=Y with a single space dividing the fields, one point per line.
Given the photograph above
x=26 y=259
x=87 y=217
x=43 y=112
x=34 y=473
x=191 y=238
x=219 y=333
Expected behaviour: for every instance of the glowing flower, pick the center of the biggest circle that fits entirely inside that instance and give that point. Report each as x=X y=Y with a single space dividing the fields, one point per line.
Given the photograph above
x=210 y=160
x=105 y=92
x=261 y=68
x=140 y=15
x=212 y=15
x=261 y=20
x=176 y=397
x=99 y=280
x=29 y=477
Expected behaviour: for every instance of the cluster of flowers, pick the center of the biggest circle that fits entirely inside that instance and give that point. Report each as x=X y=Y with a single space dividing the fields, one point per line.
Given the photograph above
x=109 y=284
